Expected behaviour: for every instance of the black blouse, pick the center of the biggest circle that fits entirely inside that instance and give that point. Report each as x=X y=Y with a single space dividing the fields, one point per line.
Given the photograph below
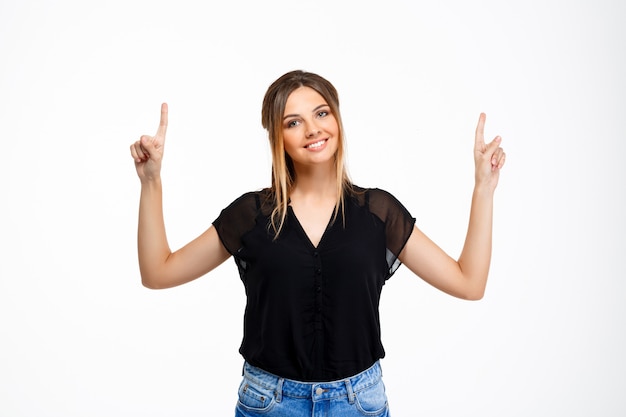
x=312 y=312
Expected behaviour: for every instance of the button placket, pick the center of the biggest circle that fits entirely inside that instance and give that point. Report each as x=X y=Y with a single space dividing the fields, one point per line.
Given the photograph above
x=317 y=269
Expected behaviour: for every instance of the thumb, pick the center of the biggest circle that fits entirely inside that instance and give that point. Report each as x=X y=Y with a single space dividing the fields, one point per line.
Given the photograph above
x=491 y=152
x=493 y=145
x=149 y=144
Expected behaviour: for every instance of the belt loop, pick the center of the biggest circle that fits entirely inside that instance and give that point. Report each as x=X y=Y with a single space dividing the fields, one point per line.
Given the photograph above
x=351 y=394
x=279 y=390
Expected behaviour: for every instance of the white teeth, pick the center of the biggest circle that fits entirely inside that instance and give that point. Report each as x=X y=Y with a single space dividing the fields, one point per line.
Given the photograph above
x=316 y=144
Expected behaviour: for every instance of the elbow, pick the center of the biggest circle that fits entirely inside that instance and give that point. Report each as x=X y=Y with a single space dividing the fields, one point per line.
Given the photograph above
x=473 y=294
x=152 y=282
x=474 y=288
x=154 y=278
x=150 y=285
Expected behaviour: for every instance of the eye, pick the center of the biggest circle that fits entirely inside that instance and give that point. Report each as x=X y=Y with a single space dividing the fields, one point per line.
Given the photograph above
x=322 y=113
x=292 y=123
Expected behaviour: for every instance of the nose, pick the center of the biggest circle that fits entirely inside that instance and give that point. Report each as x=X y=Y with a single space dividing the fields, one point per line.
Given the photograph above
x=312 y=130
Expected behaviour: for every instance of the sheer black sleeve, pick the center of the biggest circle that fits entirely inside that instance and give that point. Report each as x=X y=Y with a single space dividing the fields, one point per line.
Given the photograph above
x=237 y=219
x=398 y=223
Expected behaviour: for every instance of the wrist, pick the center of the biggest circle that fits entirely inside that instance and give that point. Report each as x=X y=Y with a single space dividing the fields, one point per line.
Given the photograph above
x=151 y=182
x=483 y=190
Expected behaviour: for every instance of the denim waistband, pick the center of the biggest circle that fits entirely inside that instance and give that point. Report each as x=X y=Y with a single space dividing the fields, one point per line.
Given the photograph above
x=314 y=390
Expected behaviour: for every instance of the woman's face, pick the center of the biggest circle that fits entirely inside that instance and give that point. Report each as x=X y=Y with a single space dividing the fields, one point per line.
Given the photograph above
x=310 y=130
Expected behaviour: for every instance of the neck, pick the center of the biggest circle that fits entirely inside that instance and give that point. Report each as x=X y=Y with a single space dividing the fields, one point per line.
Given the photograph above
x=315 y=182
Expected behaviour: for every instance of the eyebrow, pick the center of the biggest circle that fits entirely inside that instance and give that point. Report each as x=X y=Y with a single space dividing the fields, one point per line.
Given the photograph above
x=314 y=110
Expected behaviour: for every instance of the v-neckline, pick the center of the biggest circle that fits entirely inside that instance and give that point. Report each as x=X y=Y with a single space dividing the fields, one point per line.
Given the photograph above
x=303 y=232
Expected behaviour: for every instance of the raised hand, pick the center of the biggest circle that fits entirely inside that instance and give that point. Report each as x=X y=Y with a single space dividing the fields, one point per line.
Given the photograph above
x=488 y=158
x=148 y=150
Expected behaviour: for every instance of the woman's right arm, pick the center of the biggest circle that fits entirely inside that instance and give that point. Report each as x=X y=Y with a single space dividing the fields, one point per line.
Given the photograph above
x=159 y=266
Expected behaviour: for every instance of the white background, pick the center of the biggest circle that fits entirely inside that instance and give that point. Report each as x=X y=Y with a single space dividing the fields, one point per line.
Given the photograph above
x=80 y=81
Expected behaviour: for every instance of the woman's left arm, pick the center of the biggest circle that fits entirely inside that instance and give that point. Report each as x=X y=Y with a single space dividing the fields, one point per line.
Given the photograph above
x=467 y=277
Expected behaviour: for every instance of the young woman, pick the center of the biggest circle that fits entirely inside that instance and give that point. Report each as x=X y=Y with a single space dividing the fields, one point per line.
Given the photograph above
x=313 y=251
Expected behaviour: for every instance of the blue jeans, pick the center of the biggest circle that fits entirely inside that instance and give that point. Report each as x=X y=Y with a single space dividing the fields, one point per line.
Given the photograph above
x=267 y=395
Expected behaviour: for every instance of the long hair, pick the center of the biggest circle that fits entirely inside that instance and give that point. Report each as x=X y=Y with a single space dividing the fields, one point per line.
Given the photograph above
x=283 y=171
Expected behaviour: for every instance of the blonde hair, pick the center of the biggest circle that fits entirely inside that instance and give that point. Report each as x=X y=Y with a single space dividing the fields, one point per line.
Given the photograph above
x=283 y=172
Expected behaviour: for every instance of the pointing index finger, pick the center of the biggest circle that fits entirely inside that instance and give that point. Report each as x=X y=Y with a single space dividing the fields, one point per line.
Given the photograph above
x=480 y=132
x=163 y=123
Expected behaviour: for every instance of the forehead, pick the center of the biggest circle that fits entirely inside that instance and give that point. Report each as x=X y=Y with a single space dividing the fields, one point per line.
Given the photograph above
x=303 y=99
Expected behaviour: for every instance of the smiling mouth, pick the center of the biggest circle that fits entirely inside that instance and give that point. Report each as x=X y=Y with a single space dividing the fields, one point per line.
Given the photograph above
x=316 y=144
